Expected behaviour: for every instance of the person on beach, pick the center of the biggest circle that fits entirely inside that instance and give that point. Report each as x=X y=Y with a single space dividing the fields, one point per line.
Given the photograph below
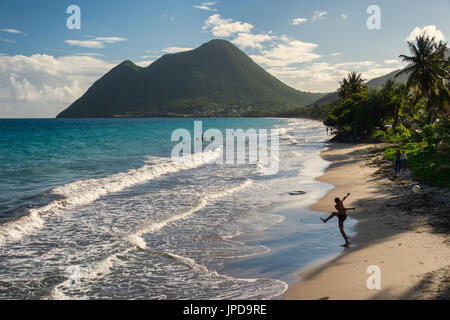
x=404 y=158
x=342 y=216
x=398 y=161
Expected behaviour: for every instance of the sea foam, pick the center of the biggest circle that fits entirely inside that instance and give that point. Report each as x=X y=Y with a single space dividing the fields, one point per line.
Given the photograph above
x=83 y=192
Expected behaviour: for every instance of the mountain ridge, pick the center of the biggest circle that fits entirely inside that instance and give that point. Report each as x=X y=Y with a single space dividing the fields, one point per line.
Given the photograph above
x=215 y=79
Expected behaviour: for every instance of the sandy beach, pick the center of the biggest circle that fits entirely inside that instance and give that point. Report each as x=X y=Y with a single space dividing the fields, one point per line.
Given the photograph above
x=405 y=234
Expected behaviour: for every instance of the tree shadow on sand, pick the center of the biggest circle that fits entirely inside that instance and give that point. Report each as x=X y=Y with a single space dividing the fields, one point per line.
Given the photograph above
x=429 y=209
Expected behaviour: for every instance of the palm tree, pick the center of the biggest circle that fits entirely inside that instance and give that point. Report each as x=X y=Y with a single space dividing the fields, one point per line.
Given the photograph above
x=428 y=71
x=351 y=85
x=393 y=99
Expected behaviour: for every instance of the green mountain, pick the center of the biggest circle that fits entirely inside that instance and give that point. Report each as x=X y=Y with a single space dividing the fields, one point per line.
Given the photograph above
x=375 y=83
x=216 y=79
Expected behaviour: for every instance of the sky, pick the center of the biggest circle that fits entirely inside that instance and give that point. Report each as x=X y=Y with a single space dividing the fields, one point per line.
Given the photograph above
x=309 y=45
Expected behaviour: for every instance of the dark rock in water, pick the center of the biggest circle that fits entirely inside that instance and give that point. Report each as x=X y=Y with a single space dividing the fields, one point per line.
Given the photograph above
x=297 y=193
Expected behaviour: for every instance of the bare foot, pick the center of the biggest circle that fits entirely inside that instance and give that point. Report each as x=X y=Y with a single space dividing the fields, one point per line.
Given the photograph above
x=323 y=220
x=346 y=245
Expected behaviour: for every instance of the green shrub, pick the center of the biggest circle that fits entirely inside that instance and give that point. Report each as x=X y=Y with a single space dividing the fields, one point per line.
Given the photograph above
x=430 y=136
x=399 y=135
x=424 y=162
x=380 y=136
x=443 y=129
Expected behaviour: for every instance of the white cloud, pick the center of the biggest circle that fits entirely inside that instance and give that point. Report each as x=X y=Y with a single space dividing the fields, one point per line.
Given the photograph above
x=96 y=43
x=377 y=72
x=431 y=31
x=206 y=6
x=221 y=27
x=335 y=54
x=91 y=54
x=110 y=39
x=241 y=31
x=284 y=53
x=356 y=66
x=250 y=40
x=287 y=53
x=175 y=49
x=298 y=21
x=316 y=77
x=392 y=61
x=14 y=31
x=85 y=43
x=42 y=85
x=144 y=63
x=325 y=77
x=319 y=15
x=344 y=16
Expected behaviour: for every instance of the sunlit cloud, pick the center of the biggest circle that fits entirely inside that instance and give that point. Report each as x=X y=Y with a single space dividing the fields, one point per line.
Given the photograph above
x=297 y=21
x=286 y=53
x=206 y=6
x=144 y=63
x=431 y=31
x=175 y=49
x=249 y=40
x=41 y=85
x=96 y=43
x=110 y=39
x=14 y=31
x=319 y=15
x=85 y=43
x=325 y=77
x=221 y=27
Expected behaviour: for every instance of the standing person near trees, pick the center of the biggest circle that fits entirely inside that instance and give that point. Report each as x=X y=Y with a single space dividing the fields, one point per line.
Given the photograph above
x=398 y=161
x=404 y=158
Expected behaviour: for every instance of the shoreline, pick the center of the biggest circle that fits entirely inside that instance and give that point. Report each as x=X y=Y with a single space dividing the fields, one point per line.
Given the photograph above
x=403 y=233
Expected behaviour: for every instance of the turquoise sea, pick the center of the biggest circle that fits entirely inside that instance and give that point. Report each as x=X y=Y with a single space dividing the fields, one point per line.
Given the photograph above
x=95 y=208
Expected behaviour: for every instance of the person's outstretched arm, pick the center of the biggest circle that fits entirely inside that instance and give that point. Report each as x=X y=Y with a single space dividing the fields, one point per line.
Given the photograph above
x=346 y=196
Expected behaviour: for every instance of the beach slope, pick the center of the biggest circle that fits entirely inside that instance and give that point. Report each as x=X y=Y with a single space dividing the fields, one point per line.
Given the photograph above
x=403 y=233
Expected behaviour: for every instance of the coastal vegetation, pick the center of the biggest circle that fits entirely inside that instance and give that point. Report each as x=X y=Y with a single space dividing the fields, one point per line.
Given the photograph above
x=414 y=116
